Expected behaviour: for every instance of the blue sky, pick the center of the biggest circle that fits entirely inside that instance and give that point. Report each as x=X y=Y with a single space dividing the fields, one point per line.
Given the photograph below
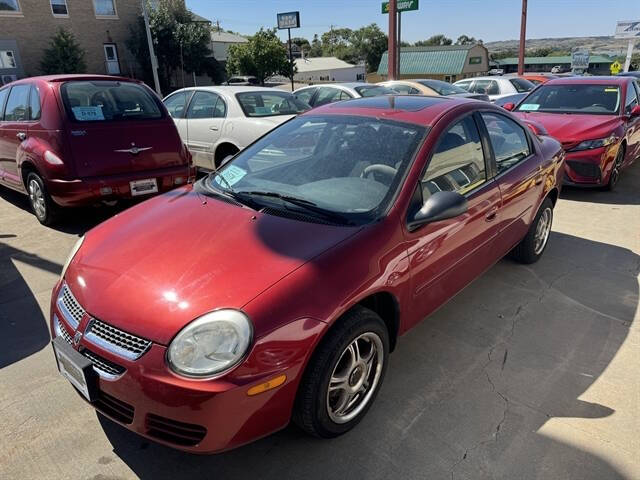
x=486 y=19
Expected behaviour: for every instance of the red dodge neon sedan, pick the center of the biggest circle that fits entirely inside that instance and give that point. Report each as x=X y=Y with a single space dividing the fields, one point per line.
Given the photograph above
x=276 y=287
x=70 y=140
x=597 y=119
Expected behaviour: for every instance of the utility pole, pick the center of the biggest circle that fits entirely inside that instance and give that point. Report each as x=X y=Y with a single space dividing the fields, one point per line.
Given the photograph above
x=399 y=42
x=523 y=37
x=392 y=63
x=152 y=54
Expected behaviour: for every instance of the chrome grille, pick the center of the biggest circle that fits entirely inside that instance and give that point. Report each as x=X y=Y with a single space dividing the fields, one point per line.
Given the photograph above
x=115 y=340
x=61 y=331
x=69 y=306
x=103 y=366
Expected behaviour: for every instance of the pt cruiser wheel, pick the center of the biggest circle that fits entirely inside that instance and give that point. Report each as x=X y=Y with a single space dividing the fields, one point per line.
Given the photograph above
x=532 y=246
x=344 y=375
x=40 y=201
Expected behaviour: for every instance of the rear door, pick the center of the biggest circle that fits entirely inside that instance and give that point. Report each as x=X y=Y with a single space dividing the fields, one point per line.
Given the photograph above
x=327 y=95
x=14 y=131
x=205 y=119
x=519 y=174
x=447 y=255
x=306 y=95
x=118 y=127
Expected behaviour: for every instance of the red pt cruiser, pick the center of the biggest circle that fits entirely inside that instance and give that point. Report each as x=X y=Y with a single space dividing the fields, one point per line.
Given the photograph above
x=276 y=288
x=70 y=140
x=597 y=120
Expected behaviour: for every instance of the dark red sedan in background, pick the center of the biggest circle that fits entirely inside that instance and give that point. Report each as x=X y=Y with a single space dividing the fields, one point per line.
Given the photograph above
x=69 y=140
x=597 y=119
x=276 y=288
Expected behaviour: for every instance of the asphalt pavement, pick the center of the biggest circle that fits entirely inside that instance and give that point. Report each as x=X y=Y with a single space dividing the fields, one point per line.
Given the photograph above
x=530 y=373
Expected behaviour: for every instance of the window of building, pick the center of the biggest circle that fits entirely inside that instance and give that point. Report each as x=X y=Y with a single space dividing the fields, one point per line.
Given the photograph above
x=7 y=59
x=59 y=8
x=104 y=8
x=10 y=7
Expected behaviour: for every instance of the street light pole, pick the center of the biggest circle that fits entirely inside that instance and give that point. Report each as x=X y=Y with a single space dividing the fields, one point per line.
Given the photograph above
x=154 y=60
x=291 y=59
x=393 y=38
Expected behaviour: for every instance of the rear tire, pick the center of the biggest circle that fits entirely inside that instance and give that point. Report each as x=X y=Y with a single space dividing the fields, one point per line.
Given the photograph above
x=344 y=375
x=533 y=245
x=223 y=152
x=42 y=205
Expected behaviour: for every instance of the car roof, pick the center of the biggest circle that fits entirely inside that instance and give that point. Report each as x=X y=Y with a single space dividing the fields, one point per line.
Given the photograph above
x=417 y=109
x=487 y=77
x=77 y=77
x=230 y=89
x=595 y=80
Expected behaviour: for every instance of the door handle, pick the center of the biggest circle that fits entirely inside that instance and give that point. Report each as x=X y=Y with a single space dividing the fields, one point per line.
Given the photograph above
x=493 y=213
x=21 y=135
x=214 y=128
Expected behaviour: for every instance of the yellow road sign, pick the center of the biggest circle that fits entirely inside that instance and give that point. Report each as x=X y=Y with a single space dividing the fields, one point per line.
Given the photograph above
x=615 y=68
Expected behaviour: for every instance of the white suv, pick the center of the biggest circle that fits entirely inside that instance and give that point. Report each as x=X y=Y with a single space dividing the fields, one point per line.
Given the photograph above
x=496 y=87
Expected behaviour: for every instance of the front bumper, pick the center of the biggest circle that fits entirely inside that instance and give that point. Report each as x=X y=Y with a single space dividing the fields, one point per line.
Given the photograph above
x=199 y=416
x=589 y=168
x=87 y=191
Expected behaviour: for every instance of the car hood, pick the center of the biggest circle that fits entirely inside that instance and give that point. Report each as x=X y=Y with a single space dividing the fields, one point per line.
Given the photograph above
x=156 y=267
x=572 y=129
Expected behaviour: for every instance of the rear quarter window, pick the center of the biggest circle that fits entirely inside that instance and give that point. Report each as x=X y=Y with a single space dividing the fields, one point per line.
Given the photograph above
x=3 y=97
x=103 y=101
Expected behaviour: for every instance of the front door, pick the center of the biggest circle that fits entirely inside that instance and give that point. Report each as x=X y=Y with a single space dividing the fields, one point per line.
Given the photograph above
x=519 y=174
x=111 y=59
x=205 y=119
x=633 y=123
x=447 y=255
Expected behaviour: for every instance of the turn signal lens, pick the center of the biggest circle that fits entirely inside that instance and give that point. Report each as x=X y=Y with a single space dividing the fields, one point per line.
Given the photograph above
x=52 y=158
x=263 y=387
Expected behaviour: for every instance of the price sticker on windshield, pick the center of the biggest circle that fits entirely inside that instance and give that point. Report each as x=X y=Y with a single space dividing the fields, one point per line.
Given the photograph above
x=529 y=107
x=230 y=175
x=88 y=114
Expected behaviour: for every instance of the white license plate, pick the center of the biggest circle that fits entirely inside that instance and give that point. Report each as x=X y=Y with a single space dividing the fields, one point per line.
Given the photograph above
x=72 y=372
x=143 y=187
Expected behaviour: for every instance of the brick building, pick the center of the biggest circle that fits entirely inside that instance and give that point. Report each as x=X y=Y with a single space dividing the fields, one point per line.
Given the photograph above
x=100 y=26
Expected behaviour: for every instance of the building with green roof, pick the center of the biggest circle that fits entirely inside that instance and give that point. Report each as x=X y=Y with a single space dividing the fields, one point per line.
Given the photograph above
x=448 y=63
x=598 y=64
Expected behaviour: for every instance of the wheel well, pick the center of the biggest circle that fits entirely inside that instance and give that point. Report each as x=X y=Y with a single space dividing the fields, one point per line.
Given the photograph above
x=386 y=306
x=553 y=196
x=223 y=150
x=26 y=168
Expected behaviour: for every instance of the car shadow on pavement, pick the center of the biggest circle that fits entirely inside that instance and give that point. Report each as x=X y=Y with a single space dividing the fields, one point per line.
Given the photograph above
x=23 y=328
x=477 y=390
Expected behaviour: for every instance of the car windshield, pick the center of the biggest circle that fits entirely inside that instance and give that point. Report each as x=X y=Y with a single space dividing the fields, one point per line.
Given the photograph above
x=586 y=99
x=374 y=91
x=103 y=100
x=442 y=88
x=342 y=165
x=269 y=104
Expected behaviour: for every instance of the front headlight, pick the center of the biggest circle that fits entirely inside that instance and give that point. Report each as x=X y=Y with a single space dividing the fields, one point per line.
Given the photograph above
x=72 y=254
x=210 y=344
x=591 y=144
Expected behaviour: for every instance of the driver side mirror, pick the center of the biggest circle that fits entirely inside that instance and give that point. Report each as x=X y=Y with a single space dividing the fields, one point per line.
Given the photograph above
x=509 y=106
x=439 y=206
x=635 y=112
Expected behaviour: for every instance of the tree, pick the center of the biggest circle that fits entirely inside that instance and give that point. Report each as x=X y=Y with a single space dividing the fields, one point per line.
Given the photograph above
x=436 y=40
x=179 y=41
x=466 y=40
x=368 y=44
x=64 y=55
x=263 y=56
x=539 y=52
x=316 y=47
x=302 y=43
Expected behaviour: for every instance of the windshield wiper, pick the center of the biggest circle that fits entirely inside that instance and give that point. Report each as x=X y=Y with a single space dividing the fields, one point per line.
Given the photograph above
x=299 y=202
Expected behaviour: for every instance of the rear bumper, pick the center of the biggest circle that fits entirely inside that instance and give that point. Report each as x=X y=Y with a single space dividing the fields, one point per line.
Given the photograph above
x=86 y=191
x=589 y=168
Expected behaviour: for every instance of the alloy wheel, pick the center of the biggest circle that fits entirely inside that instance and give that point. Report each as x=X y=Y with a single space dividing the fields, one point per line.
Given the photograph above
x=542 y=231
x=355 y=377
x=36 y=197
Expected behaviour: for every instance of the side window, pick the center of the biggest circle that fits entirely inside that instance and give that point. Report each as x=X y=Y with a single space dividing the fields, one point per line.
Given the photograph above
x=34 y=104
x=327 y=95
x=488 y=87
x=305 y=95
x=177 y=103
x=632 y=98
x=403 y=89
x=458 y=163
x=3 y=97
x=464 y=85
x=220 y=110
x=203 y=105
x=508 y=139
x=345 y=96
x=17 y=109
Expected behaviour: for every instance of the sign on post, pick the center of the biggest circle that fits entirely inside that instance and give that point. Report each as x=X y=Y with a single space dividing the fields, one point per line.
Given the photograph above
x=580 y=59
x=288 y=20
x=403 y=6
x=615 y=68
x=627 y=30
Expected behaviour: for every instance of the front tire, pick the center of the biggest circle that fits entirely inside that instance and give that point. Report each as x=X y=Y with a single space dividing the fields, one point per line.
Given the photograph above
x=41 y=203
x=614 y=176
x=344 y=375
x=532 y=246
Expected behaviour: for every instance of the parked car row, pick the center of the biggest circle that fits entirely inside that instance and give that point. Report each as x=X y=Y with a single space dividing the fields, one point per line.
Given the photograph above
x=318 y=238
